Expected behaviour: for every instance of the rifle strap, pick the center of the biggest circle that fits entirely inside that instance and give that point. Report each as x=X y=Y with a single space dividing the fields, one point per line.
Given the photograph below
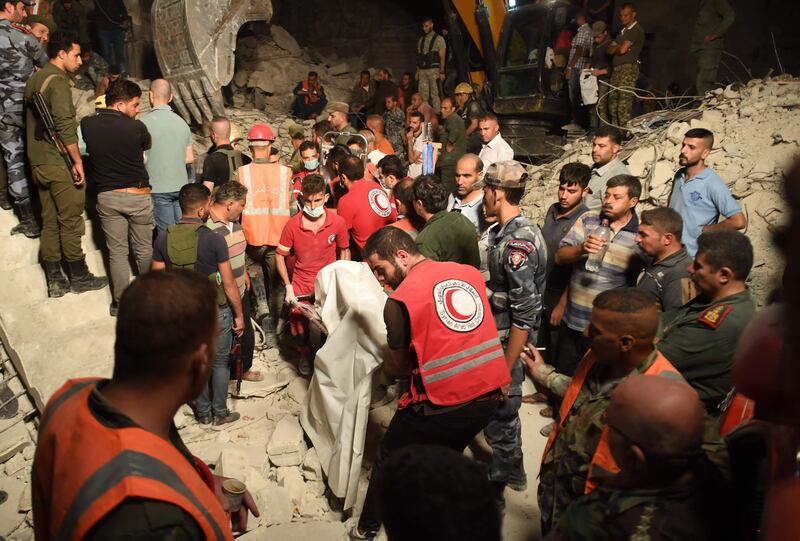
x=46 y=82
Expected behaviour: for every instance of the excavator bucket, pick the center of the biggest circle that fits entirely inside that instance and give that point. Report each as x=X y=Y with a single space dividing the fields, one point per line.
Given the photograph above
x=195 y=42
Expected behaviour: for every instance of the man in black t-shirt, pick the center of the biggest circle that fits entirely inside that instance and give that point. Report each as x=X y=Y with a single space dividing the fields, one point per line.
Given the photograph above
x=222 y=160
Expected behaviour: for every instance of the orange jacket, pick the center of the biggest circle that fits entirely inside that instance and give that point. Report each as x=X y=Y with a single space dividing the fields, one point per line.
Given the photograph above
x=311 y=98
x=269 y=197
x=83 y=470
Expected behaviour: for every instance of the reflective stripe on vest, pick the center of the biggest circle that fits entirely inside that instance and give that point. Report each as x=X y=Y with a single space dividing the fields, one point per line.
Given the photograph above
x=83 y=470
x=266 y=211
x=602 y=460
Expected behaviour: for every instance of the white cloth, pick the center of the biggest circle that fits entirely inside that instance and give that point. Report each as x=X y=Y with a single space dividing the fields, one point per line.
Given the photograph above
x=375 y=156
x=415 y=169
x=336 y=408
x=588 y=84
x=496 y=150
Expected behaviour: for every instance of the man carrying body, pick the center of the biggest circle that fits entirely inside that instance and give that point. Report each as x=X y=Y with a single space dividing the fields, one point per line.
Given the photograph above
x=425 y=332
x=61 y=191
x=171 y=158
x=415 y=143
x=446 y=236
x=191 y=245
x=714 y=19
x=699 y=195
x=21 y=54
x=267 y=210
x=309 y=100
x=454 y=144
x=626 y=50
x=116 y=143
x=605 y=148
x=495 y=148
x=468 y=198
x=121 y=432
x=431 y=51
x=700 y=337
x=666 y=276
x=517 y=263
x=220 y=165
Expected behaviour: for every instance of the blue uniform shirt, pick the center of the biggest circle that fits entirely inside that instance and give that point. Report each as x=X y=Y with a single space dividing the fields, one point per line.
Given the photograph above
x=700 y=201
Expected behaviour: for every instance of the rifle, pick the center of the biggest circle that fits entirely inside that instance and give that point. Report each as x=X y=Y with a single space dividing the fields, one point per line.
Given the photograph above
x=50 y=127
x=236 y=359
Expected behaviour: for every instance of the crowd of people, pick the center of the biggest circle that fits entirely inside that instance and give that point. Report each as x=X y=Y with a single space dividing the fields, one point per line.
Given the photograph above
x=626 y=321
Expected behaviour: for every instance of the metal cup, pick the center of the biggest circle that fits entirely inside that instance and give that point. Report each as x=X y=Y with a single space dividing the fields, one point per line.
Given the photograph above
x=234 y=490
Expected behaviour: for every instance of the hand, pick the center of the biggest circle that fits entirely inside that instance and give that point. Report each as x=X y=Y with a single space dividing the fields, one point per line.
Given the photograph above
x=504 y=389
x=239 y=518
x=441 y=76
x=709 y=38
x=238 y=325
x=290 y=296
x=532 y=357
x=557 y=314
x=592 y=245
x=246 y=281
x=78 y=178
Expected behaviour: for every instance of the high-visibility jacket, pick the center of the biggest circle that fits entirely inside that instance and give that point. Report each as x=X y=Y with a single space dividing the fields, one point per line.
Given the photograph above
x=311 y=98
x=452 y=333
x=83 y=470
x=269 y=196
x=602 y=460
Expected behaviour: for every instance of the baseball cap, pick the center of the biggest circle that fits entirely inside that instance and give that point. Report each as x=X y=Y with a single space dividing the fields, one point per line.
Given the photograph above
x=41 y=19
x=338 y=107
x=507 y=174
x=598 y=27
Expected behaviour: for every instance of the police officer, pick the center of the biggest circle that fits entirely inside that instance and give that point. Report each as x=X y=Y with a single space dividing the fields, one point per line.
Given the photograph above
x=20 y=51
x=517 y=257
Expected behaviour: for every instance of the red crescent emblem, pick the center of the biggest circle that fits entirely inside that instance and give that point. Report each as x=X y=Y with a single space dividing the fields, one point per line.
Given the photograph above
x=448 y=299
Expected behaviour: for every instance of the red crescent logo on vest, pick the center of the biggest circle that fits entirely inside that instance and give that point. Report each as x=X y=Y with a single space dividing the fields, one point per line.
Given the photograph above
x=331 y=238
x=379 y=202
x=458 y=305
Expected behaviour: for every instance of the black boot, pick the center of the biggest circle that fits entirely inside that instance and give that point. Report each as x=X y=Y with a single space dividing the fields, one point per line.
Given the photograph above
x=28 y=225
x=81 y=280
x=57 y=283
x=5 y=202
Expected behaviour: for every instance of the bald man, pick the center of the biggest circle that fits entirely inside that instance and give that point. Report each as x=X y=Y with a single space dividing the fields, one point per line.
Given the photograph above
x=655 y=434
x=222 y=160
x=170 y=160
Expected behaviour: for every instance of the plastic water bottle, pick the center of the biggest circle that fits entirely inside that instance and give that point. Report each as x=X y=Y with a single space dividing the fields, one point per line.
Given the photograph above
x=603 y=232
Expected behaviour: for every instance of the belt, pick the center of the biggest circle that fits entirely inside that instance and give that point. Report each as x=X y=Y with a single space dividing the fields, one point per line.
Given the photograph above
x=139 y=191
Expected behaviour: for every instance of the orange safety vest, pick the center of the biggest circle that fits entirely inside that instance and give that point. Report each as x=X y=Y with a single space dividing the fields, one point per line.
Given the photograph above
x=452 y=333
x=311 y=98
x=83 y=470
x=269 y=196
x=602 y=459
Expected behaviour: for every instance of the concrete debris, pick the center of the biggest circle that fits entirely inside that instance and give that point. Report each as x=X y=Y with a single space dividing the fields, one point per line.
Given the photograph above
x=270 y=384
x=275 y=506
x=232 y=462
x=312 y=468
x=286 y=446
x=292 y=480
x=284 y=40
x=313 y=506
x=25 y=504
x=300 y=531
x=15 y=440
x=298 y=389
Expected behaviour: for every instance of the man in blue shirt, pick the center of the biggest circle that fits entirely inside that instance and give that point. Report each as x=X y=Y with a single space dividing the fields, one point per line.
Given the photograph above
x=699 y=195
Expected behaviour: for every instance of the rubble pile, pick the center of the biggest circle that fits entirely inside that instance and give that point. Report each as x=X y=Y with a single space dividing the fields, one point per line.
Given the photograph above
x=757 y=133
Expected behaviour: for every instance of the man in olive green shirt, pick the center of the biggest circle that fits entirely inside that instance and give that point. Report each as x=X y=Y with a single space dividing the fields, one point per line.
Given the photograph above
x=453 y=137
x=700 y=338
x=447 y=236
x=61 y=191
x=714 y=19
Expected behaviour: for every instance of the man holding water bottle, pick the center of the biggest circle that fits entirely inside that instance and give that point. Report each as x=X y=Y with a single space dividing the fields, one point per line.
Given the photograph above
x=584 y=247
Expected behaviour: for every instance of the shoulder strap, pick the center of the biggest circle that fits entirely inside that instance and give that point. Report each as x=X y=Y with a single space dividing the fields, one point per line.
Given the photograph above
x=46 y=82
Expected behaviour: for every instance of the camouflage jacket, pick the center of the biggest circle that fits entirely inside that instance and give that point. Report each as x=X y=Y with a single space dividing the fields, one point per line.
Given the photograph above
x=19 y=53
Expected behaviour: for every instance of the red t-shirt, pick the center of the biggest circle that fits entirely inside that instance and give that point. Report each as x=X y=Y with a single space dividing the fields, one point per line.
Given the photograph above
x=312 y=251
x=365 y=209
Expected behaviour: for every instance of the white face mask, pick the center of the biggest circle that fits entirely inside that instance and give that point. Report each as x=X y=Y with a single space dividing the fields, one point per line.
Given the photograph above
x=315 y=212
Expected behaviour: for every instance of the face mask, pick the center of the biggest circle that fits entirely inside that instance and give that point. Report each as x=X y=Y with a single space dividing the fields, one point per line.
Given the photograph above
x=315 y=212
x=310 y=166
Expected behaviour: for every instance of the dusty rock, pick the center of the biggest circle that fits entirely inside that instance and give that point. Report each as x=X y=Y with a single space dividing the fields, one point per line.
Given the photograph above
x=312 y=506
x=292 y=480
x=232 y=462
x=286 y=446
x=298 y=389
x=24 y=504
x=300 y=531
x=312 y=468
x=275 y=505
x=284 y=39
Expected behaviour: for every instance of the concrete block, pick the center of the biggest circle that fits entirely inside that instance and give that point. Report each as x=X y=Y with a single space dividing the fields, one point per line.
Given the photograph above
x=302 y=531
x=312 y=506
x=640 y=160
x=676 y=131
x=312 y=468
x=24 y=505
x=287 y=447
x=232 y=463
x=284 y=40
x=297 y=389
x=291 y=479
x=275 y=505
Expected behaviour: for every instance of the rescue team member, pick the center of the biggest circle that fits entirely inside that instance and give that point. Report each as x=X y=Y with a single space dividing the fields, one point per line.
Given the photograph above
x=517 y=257
x=700 y=337
x=61 y=192
x=266 y=212
x=191 y=245
x=222 y=162
x=365 y=207
x=441 y=334
x=314 y=237
x=109 y=459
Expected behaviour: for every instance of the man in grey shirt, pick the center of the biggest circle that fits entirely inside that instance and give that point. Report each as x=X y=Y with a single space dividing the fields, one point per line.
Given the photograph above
x=170 y=158
x=605 y=148
x=468 y=197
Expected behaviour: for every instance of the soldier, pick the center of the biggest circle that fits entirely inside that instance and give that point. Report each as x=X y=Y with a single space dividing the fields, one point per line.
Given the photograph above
x=41 y=27
x=625 y=50
x=20 y=51
x=708 y=39
x=61 y=191
x=517 y=259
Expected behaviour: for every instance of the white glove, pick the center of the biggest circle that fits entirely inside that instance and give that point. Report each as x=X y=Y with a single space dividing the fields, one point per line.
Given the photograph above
x=290 y=296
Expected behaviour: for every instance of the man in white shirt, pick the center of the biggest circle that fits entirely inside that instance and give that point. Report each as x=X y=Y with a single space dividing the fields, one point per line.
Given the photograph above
x=414 y=143
x=468 y=199
x=495 y=149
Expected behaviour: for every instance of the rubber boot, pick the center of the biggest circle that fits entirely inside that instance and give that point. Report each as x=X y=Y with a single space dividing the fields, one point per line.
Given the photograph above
x=28 y=225
x=81 y=280
x=57 y=283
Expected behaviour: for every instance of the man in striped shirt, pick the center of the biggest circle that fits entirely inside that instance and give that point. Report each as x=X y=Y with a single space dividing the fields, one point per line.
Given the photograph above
x=620 y=266
x=224 y=212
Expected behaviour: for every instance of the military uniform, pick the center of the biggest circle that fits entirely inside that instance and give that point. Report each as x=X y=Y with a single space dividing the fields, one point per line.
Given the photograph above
x=714 y=18
x=72 y=20
x=700 y=338
x=517 y=260
x=455 y=132
x=91 y=72
x=20 y=52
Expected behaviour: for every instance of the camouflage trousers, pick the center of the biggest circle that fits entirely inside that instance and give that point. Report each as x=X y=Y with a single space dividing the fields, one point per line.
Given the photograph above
x=620 y=103
x=504 y=434
x=707 y=68
x=429 y=87
x=12 y=142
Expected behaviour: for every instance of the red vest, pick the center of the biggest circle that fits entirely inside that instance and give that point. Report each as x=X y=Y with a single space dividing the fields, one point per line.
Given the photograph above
x=83 y=470
x=602 y=459
x=311 y=98
x=452 y=333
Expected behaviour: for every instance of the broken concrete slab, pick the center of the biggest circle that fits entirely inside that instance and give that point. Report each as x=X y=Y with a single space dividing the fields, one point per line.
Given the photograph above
x=284 y=40
x=291 y=479
x=275 y=506
x=300 y=531
x=232 y=463
x=286 y=446
x=298 y=389
x=312 y=468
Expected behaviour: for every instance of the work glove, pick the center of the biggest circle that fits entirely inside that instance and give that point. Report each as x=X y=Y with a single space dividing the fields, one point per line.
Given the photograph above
x=290 y=296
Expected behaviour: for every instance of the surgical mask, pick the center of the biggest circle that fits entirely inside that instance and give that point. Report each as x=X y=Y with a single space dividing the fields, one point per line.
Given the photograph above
x=314 y=212
x=310 y=166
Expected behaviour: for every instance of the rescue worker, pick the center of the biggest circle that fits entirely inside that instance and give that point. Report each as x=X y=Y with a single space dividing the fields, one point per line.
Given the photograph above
x=61 y=191
x=20 y=52
x=470 y=112
x=517 y=258
x=439 y=332
x=309 y=97
x=269 y=206
x=714 y=19
x=109 y=460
